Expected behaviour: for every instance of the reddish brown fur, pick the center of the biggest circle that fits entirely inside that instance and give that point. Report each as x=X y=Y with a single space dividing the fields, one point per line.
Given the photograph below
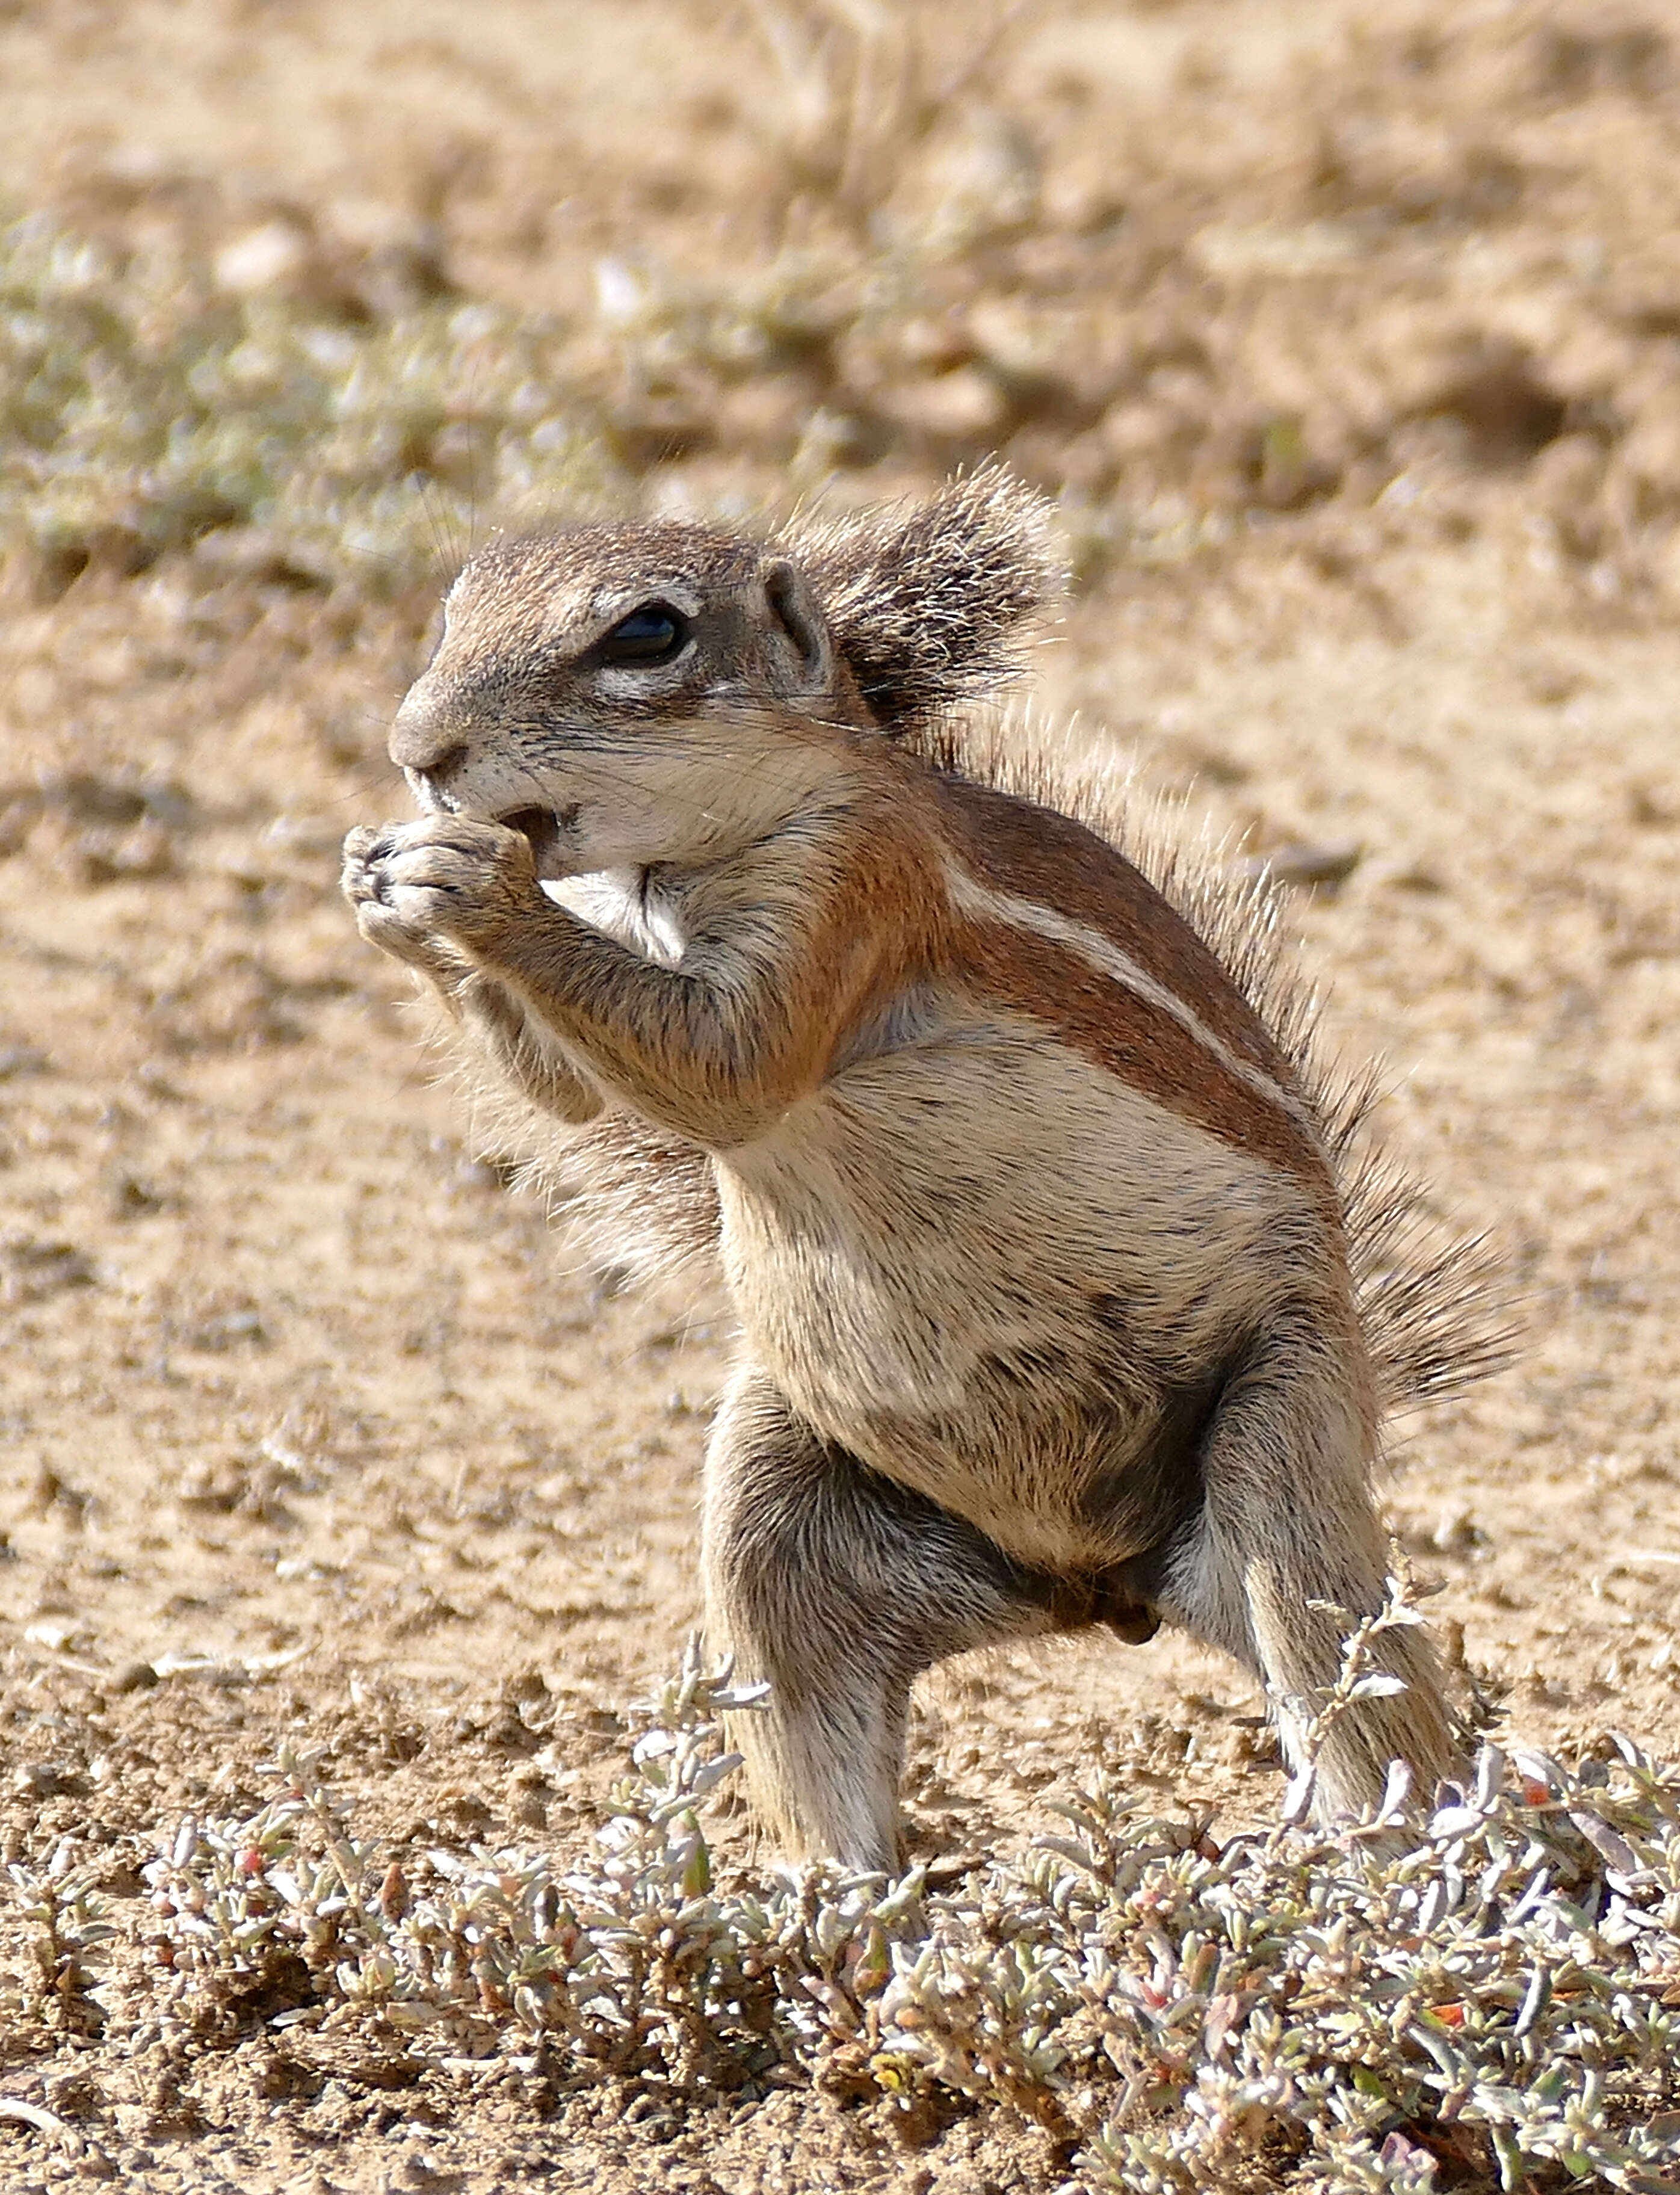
x=1139 y=1043
x=1016 y=846
x=857 y=945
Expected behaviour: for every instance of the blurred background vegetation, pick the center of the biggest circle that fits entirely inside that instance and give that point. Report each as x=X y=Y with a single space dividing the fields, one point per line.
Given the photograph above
x=1196 y=271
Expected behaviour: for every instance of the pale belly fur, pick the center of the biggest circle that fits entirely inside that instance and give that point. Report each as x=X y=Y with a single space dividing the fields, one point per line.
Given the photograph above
x=981 y=1266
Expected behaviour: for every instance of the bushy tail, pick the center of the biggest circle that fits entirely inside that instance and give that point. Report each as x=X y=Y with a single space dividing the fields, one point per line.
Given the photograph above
x=929 y=601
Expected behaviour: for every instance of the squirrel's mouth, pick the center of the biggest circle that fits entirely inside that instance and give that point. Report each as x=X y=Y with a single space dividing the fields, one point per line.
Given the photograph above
x=547 y=830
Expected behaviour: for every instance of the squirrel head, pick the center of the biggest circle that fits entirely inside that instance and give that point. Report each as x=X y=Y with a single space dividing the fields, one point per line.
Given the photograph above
x=664 y=692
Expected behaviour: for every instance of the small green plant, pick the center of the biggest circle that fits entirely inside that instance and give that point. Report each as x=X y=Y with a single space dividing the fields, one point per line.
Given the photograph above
x=69 y=1931
x=1494 y=1986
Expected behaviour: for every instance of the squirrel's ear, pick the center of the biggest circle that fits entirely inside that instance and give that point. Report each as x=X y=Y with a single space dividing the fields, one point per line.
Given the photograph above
x=788 y=596
x=928 y=602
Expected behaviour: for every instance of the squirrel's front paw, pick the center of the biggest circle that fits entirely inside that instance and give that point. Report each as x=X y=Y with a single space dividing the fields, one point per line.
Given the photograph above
x=419 y=888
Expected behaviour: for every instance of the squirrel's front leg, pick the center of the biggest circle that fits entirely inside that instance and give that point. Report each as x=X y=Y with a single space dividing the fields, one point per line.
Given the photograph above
x=401 y=923
x=713 y=1051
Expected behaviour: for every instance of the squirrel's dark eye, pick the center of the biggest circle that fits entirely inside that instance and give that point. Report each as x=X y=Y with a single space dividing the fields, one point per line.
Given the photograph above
x=653 y=634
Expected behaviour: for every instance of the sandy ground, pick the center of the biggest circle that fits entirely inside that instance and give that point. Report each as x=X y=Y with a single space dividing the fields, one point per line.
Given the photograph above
x=305 y=1412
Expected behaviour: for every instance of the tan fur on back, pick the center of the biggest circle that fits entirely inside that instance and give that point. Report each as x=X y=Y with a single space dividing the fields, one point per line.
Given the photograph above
x=1430 y=1299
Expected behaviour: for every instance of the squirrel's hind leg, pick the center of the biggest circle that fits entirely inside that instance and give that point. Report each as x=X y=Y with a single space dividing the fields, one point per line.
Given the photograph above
x=1286 y=1556
x=838 y=1586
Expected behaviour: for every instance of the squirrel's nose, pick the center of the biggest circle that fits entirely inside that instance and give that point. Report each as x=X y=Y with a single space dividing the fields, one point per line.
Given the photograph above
x=422 y=737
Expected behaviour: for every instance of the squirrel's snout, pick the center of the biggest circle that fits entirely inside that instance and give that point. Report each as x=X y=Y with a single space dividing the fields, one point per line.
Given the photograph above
x=422 y=738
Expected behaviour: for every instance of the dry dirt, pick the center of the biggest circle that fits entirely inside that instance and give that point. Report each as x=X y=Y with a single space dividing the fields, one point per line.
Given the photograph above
x=311 y=1429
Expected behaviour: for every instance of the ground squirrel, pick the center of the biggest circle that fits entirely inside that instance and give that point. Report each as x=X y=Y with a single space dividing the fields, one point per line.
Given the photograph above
x=1054 y=1279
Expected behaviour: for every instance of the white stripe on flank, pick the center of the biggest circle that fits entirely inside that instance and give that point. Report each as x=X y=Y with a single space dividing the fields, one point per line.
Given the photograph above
x=971 y=897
